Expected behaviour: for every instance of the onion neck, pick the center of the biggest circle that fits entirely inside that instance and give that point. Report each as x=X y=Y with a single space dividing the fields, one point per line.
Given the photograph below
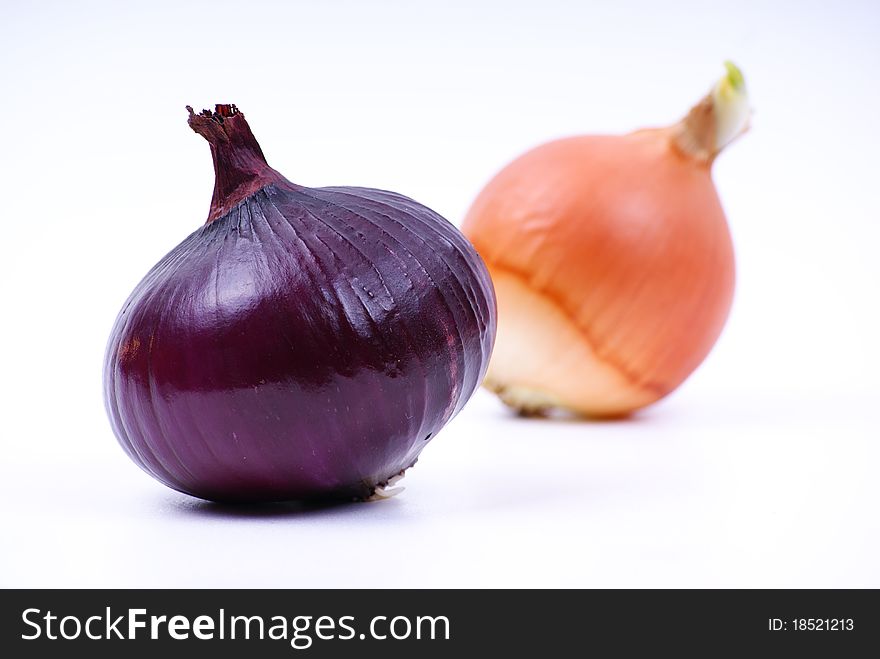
x=716 y=121
x=240 y=168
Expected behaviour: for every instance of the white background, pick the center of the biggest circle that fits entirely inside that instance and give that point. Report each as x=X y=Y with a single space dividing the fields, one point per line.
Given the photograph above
x=760 y=471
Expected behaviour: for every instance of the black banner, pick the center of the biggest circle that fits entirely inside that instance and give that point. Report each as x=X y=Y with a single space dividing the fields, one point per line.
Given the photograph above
x=436 y=623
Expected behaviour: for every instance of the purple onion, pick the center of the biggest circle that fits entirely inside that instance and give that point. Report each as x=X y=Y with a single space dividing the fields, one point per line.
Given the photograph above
x=304 y=343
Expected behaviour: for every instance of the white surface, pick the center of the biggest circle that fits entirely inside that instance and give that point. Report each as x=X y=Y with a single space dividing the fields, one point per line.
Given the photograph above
x=760 y=471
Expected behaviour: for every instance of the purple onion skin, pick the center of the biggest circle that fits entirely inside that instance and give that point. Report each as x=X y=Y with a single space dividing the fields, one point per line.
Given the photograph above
x=305 y=343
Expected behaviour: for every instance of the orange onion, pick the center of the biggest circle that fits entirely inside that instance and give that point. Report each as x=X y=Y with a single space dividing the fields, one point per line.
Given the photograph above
x=612 y=261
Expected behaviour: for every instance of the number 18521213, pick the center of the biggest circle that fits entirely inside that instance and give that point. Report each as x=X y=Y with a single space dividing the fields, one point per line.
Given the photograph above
x=811 y=624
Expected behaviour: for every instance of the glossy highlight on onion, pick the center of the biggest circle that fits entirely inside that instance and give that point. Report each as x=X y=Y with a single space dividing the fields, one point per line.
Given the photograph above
x=304 y=343
x=612 y=261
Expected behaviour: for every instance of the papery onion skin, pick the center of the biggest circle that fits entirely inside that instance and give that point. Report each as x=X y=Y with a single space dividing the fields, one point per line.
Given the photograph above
x=612 y=262
x=305 y=343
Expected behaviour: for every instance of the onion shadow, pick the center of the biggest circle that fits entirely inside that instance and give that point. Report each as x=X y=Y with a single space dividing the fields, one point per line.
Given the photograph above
x=279 y=510
x=562 y=417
